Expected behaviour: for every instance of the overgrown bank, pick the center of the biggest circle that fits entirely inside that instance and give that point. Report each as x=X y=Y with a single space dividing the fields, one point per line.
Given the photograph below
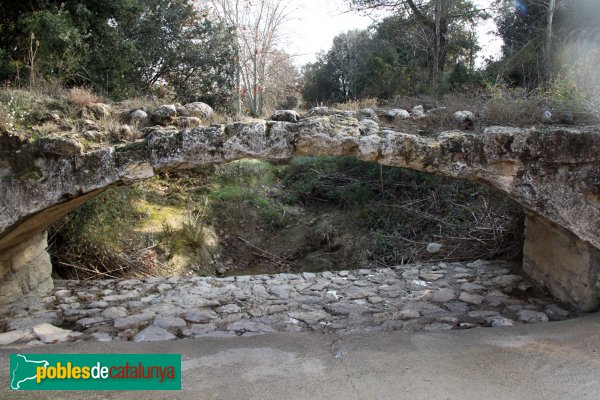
x=312 y=214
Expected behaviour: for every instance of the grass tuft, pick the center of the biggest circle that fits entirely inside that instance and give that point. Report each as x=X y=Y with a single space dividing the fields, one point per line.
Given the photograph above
x=82 y=97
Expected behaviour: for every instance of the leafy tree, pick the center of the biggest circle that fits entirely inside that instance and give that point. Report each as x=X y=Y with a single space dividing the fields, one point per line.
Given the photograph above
x=404 y=38
x=184 y=47
x=120 y=47
x=111 y=55
x=347 y=58
x=437 y=19
x=392 y=58
x=380 y=78
x=521 y=29
x=339 y=75
x=359 y=64
x=543 y=37
x=60 y=51
x=318 y=85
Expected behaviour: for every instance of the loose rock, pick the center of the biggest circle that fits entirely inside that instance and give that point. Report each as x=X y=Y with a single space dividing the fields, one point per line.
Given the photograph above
x=471 y=298
x=397 y=114
x=168 y=321
x=139 y=116
x=164 y=114
x=133 y=321
x=418 y=112
x=285 y=115
x=433 y=248
x=153 y=334
x=200 y=110
x=47 y=333
x=531 y=316
x=14 y=336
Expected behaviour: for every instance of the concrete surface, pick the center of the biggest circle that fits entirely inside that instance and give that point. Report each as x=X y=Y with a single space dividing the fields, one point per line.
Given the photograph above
x=556 y=360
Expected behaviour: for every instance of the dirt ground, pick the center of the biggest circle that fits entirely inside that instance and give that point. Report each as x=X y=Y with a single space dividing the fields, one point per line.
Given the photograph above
x=548 y=361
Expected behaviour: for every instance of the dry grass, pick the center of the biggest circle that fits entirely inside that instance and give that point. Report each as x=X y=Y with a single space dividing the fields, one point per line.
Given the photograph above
x=393 y=213
x=97 y=241
x=139 y=263
x=47 y=129
x=496 y=105
x=115 y=131
x=438 y=120
x=521 y=113
x=6 y=118
x=82 y=97
x=494 y=230
x=218 y=118
x=357 y=105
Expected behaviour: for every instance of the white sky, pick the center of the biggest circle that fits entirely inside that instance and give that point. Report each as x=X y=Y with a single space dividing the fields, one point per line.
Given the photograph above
x=314 y=24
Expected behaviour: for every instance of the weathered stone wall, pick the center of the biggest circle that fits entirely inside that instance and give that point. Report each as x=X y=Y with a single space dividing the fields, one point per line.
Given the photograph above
x=567 y=266
x=25 y=269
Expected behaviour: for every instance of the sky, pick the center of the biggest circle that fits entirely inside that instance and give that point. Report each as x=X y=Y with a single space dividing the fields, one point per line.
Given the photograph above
x=314 y=24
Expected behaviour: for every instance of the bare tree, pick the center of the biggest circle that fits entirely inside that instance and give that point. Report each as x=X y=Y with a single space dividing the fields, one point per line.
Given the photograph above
x=33 y=48
x=282 y=82
x=548 y=38
x=258 y=24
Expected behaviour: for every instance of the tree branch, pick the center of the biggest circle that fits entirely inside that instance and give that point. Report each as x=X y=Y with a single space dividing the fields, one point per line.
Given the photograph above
x=422 y=18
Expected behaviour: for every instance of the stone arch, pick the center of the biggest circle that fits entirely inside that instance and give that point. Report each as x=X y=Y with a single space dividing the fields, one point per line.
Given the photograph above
x=554 y=173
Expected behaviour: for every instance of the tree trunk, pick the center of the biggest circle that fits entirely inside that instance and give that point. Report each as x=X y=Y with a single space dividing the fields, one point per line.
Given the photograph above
x=438 y=28
x=436 y=48
x=548 y=70
x=443 y=46
x=254 y=108
x=238 y=84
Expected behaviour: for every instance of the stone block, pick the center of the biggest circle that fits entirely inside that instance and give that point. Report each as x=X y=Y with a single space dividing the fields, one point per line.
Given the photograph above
x=26 y=269
x=561 y=262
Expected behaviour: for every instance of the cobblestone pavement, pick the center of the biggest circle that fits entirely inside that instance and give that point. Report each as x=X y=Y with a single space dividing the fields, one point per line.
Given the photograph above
x=412 y=297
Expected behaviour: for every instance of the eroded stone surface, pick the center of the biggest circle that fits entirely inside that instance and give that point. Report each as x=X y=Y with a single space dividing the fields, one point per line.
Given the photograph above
x=559 y=261
x=14 y=336
x=529 y=165
x=25 y=269
x=329 y=302
x=153 y=334
x=47 y=333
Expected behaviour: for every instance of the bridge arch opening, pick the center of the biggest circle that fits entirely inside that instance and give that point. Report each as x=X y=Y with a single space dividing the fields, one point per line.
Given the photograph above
x=311 y=214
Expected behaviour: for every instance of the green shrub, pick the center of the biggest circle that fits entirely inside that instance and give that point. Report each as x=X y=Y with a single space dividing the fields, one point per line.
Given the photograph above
x=190 y=235
x=232 y=192
x=345 y=181
x=404 y=209
x=94 y=238
x=236 y=202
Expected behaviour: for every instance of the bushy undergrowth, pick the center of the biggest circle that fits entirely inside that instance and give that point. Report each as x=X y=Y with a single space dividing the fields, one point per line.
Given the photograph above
x=190 y=235
x=405 y=210
x=321 y=212
x=95 y=240
x=243 y=185
x=30 y=109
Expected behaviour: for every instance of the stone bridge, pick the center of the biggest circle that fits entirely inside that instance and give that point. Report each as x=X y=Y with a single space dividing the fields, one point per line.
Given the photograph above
x=553 y=172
